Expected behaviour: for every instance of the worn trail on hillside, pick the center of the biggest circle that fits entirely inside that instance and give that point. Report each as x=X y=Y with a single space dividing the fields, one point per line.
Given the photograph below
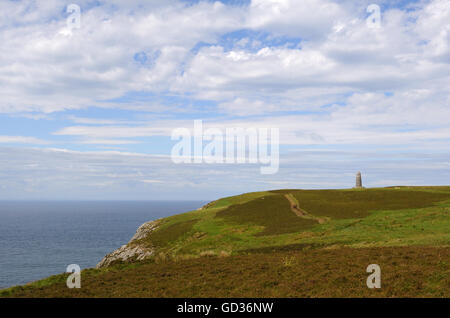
x=302 y=213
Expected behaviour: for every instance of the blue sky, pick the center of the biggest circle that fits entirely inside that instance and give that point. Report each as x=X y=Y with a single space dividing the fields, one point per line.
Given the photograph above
x=88 y=112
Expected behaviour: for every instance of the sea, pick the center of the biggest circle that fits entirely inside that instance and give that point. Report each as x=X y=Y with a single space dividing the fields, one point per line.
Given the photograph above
x=41 y=238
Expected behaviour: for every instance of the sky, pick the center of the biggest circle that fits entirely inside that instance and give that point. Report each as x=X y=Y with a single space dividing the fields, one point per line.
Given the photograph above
x=88 y=112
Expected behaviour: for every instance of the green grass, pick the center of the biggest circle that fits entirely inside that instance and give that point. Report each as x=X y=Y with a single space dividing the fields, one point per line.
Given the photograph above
x=239 y=199
x=170 y=233
x=427 y=226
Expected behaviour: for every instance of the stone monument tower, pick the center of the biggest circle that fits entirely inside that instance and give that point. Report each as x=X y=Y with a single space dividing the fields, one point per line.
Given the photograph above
x=358 y=180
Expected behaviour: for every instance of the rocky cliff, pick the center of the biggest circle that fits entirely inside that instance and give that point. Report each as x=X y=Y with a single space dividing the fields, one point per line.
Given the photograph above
x=132 y=250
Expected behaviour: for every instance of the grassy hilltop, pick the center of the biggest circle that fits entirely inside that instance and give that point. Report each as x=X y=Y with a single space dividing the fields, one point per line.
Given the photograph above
x=285 y=243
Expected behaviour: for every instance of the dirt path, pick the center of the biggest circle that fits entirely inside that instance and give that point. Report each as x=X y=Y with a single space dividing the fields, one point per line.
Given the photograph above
x=302 y=213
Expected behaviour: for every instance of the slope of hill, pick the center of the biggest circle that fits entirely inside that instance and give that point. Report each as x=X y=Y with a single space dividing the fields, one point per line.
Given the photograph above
x=281 y=243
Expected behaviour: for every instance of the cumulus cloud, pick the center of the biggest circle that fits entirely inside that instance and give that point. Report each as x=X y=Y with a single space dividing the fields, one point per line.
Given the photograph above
x=44 y=69
x=308 y=19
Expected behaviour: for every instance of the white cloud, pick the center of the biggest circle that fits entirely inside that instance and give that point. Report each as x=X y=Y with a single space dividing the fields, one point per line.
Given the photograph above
x=240 y=106
x=108 y=142
x=308 y=19
x=151 y=181
x=22 y=140
x=44 y=70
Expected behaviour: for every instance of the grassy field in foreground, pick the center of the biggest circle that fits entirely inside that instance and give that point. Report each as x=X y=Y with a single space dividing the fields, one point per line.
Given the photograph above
x=256 y=245
x=406 y=272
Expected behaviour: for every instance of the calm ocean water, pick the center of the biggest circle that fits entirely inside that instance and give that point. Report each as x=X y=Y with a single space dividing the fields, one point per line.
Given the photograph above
x=39 y=239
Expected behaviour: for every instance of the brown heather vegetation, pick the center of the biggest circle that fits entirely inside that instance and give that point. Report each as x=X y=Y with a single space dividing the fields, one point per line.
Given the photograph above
x=339 y=204
x=300 y=272
x=273 y=212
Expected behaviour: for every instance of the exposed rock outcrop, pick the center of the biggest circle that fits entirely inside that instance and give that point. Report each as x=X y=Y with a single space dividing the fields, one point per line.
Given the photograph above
x=144 y=230
x=133 y=250
x=207 y=205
